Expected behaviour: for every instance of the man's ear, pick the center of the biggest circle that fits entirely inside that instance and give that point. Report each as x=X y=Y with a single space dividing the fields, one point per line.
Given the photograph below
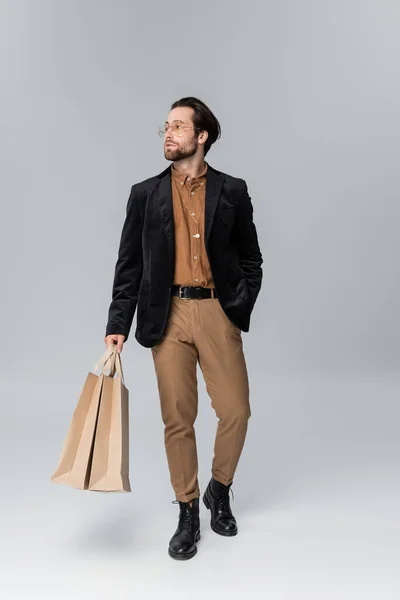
x=203 y=135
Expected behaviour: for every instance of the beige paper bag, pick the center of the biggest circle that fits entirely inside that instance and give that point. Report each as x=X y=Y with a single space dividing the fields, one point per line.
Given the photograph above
x=74 y=464
x=110 y=463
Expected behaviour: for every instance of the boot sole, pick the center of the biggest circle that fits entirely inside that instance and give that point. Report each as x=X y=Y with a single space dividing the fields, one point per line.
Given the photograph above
x=224 y=533
x=188 y=554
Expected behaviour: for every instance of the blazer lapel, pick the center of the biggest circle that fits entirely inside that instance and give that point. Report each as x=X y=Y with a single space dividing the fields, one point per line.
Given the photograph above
x=213 y=192
x=163 y=198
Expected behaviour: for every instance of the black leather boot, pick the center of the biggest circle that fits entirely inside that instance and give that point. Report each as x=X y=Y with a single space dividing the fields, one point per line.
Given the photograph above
x=216 y=499
x=182 y=545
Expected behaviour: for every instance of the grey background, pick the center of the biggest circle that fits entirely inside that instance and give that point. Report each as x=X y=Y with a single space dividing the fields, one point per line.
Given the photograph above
x=307 y=93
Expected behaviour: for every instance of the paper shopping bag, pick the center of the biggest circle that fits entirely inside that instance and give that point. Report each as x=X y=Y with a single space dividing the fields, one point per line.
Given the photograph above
x=110 y=462
x=74 y=464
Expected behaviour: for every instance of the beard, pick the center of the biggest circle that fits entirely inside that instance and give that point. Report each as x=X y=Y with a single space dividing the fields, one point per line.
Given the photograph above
x=180 y=152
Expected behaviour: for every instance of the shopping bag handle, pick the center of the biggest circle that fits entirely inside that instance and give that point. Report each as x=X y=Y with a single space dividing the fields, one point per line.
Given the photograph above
x=117 y=365
x=112 y=357
x=105 y=358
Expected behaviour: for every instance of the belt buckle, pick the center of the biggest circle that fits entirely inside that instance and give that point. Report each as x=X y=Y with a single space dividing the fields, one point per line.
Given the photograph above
x=180 y=294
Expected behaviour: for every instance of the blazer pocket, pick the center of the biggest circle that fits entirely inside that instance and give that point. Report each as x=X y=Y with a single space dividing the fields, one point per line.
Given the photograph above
x=243 y=289
x=226 y=215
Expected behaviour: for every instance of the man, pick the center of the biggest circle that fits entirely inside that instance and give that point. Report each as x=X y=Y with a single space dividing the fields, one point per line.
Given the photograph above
x=189 y=259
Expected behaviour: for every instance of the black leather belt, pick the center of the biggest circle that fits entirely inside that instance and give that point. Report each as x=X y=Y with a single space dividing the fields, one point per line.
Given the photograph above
x=186 y=292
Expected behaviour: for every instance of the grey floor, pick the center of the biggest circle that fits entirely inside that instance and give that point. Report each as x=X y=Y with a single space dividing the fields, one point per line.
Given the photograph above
x=316 y=499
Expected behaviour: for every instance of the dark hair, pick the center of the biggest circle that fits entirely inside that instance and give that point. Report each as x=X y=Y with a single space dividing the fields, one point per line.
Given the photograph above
x=203 y=119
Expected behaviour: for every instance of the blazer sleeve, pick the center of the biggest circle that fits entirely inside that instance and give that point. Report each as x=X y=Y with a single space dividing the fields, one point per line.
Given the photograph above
x=128 y=270
x=246 y=243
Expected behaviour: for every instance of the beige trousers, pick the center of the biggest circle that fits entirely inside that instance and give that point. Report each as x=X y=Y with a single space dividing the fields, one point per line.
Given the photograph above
x=199 y=330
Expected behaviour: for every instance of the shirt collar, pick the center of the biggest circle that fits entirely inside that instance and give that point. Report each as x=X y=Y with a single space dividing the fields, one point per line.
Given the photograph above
x=183 y=178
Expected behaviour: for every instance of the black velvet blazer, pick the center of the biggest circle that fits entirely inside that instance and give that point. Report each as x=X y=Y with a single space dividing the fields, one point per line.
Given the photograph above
x=145 y=266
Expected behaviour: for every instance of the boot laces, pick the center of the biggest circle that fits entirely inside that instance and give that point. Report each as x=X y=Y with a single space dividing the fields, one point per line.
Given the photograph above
x=185 y=514
x=223 y=499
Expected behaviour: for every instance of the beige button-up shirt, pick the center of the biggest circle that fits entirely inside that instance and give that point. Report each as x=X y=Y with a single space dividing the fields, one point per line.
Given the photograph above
x=188 y=198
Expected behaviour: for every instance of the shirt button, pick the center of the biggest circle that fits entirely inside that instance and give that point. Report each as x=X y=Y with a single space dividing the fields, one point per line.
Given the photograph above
x=182 y=182
x=188 y=178
x=194 y=256
x=196 y=279
x=192 y=193
x=193 y=214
